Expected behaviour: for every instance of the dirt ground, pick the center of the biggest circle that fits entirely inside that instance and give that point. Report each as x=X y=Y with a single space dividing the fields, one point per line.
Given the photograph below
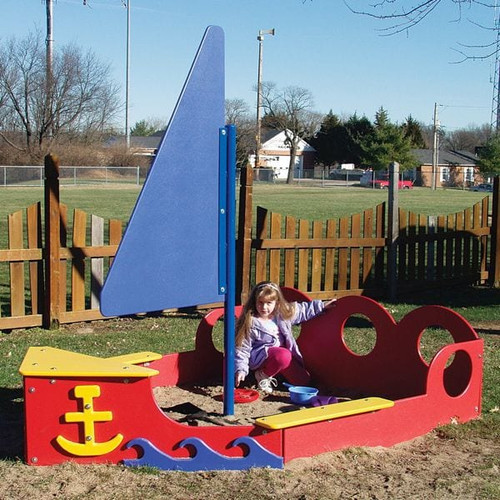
x=438 y=465
x=202 y=405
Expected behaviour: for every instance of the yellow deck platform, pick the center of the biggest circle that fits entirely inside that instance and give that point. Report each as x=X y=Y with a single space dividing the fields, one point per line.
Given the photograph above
x=320 y=413
x=52 y=362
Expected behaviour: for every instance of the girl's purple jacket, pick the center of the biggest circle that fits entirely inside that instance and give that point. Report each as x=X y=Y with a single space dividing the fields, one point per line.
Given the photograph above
x=253 y=351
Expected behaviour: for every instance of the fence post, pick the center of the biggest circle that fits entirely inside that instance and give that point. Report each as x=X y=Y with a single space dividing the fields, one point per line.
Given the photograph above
x=244 y=246
x=52 y=243
x=495 y=235
x=431 y=244
x=393 y=230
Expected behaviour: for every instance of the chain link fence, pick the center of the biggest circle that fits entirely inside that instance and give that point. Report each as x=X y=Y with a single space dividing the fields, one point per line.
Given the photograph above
x=471 y=180
x=32 y=176
x=317 y=176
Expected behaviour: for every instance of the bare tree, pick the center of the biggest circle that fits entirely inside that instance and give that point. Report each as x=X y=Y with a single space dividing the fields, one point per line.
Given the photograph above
x=289 y=110
x=467 y=139
x=402 y=15
x=83 y=100
x=22 y=72
x=236 y=110
x=238 y=113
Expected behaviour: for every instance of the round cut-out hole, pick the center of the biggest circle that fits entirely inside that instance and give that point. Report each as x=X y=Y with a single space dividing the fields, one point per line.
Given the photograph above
x=431 y=341
x=457 y=374
x=359 y=335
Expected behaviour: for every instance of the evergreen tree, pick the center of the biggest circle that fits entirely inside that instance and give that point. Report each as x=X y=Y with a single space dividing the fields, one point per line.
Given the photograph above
x=489 y=154
x=360 y=131
x=387 y=144
x=381 y=118
x=340 y=141
x=331 y=141
x=413 y=131
x=142 y=128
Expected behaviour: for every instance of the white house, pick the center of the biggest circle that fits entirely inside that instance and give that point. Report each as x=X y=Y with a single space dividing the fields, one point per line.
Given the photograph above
x=275 y=154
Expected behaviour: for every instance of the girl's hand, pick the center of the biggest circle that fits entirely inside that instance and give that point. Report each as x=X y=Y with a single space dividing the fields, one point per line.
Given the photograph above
x=239 y=377
x=329 y=304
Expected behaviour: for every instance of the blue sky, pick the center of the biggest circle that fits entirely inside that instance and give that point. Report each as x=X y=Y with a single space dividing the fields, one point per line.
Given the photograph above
x=319 y=45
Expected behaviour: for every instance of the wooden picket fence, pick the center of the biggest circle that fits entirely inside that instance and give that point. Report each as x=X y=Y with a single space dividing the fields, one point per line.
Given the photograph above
x=55 y=274
x=25 y=309
x=344 y=255
x=349 y=255
x=363 y=254
x=444 y=249
x=84 y=257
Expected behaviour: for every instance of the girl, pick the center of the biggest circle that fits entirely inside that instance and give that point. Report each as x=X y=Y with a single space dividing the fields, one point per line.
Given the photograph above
x=264 y=340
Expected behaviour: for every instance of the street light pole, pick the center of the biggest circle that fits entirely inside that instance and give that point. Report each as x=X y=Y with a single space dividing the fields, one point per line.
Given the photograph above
x=260 y=38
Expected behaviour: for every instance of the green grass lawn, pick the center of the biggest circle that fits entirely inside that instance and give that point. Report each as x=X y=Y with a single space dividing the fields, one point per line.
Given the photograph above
x=317 y=203
x=107 y=203
x=175 y=333
x=299 y=201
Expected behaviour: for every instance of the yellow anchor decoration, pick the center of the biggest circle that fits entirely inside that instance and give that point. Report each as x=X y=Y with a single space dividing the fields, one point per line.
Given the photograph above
x=88 y=416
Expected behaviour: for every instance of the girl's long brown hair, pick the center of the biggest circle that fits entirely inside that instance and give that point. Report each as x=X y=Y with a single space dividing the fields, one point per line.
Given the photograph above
x=266 y=290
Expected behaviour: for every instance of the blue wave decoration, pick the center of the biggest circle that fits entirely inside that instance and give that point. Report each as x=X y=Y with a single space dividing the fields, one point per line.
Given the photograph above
x=205 y=458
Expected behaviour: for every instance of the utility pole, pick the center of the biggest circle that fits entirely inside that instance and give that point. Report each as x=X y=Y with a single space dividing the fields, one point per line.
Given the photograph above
x=260 y=38
x=435 y=148
x=495 y=106
x=49 y=42
x=127 y=78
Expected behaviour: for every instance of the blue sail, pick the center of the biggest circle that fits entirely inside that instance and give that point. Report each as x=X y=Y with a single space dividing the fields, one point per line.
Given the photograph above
x=168 y=256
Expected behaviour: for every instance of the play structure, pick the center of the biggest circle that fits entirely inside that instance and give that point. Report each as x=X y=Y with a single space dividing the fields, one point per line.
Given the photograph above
x=89 y=410
x=178 y=250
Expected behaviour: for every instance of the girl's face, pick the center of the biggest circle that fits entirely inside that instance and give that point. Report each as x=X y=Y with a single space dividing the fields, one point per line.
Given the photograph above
x=265 y=307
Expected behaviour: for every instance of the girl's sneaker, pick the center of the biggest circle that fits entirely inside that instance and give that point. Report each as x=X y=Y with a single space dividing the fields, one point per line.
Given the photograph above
x=264 y=382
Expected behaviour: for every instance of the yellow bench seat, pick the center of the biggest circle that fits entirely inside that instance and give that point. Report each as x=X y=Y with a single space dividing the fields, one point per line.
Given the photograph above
x=320 y=413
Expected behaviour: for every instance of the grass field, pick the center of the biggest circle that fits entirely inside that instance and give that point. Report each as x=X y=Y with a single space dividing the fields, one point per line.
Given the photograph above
x=313 y=203
x=299 y=201
x=175 y=333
